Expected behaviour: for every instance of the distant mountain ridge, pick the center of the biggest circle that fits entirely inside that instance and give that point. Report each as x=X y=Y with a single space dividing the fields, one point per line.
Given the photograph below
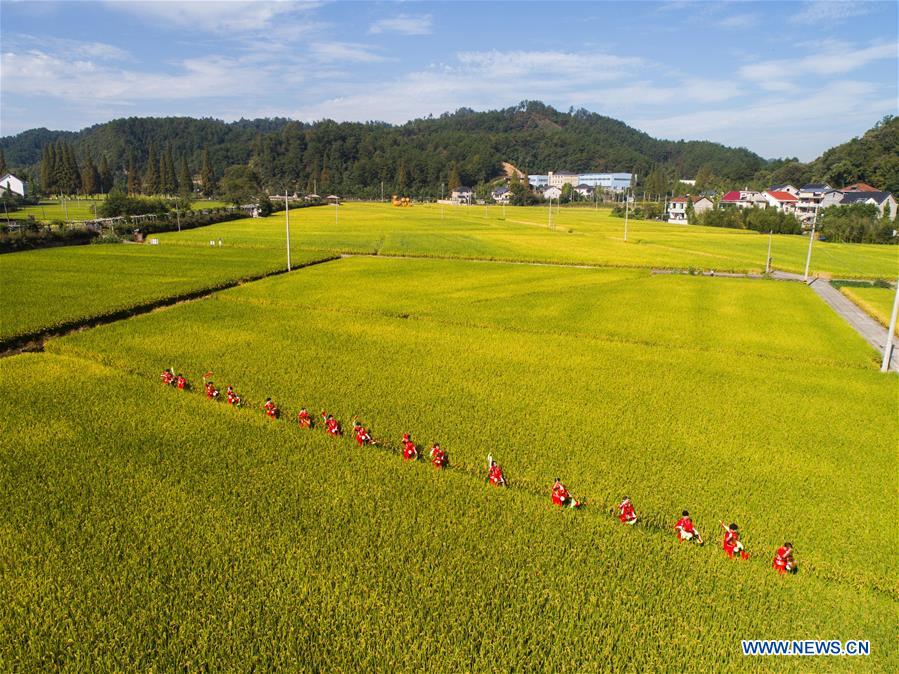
x=419 y=157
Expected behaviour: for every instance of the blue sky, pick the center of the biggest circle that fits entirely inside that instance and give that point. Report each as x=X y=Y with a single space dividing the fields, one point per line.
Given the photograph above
x=783 y=79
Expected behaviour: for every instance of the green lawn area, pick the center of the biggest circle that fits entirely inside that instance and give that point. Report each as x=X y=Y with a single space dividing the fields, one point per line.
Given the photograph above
x=68 y=209
x=148 y=528
x=582 y=236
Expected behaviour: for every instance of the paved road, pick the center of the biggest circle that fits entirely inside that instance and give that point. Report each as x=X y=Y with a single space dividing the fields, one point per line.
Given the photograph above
x=872 y=331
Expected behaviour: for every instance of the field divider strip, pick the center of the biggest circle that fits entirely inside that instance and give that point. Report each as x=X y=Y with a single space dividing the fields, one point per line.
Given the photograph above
x=34 y=341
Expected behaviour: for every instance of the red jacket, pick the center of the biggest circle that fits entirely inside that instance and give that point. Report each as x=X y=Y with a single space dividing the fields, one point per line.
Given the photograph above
x=626 y=511
x=496 y=475
x=304 y=419
x=686 y=524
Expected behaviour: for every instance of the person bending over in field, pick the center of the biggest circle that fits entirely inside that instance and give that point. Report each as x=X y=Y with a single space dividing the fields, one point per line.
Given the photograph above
x=233 y=398
x=168 y=377
x=211 y=391
x=685 y=530
x=626 y=512
x=181 y=383
x=410 y=451
x=363 y=435
x=562 y=498
x=731 y=543
x=332 y=426
x=271 y=409
x=304 y=419
x=439 y=458
x=495 y=474
x=783 y=559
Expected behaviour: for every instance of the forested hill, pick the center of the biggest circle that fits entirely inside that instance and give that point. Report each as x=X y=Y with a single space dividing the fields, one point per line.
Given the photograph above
x=354 y=158
x=873 y=158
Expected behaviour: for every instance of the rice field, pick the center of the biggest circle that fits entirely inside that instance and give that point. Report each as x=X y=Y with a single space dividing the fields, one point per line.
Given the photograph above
x=878 y=302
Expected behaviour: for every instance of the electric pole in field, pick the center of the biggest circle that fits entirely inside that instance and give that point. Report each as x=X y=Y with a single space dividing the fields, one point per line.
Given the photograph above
x=768 y=259
x=627 y=204
x=287 y=225
x=888 y=347
x=811 y=239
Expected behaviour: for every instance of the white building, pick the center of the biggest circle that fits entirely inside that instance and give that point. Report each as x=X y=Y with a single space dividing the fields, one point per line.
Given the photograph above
x=462 y=195
x=552 y=192
x=501 y=195
x=538 y=180
x=9 y=183
x=884 y=201
x=584 y=190
x=784 y=188
x=617 y=182
x=808 y=200
x=744 y=199
x=563 y=178
x=781 y=200
x=677 y=208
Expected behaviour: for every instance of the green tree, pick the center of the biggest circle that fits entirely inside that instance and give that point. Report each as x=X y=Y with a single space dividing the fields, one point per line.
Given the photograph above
x=2 y=163
x=168 y=179
x=134 y=186
x=185 y=184
x=705 y=179
x=240 y=185
x=454 y=182
x=48 y=169
x=567 y=191
x=150 y=180
x=90 y=177
x=207 y=175
x=106 y=177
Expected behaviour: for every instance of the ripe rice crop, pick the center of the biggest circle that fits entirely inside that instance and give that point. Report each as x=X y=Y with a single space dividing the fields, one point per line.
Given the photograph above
x=582 y=236
x=44 y=289
x=740 y=423
x=149 y=529
x=878 y=302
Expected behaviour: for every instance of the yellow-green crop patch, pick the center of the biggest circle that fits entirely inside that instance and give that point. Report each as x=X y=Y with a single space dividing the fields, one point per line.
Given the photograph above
x=878 y=302
x=147 y=529
x=581 y=236
x=44 y=289
x=739 y=420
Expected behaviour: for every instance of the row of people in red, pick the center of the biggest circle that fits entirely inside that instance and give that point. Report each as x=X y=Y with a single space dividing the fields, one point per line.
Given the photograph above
x=684 y=529
x=169 y=378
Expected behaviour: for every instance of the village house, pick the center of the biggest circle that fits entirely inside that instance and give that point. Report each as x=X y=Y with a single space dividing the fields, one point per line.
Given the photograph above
x=677 y=208
x=584 y=190
x=9 y=183
x=552 y=192
x=462 y=195
x=744 y=199
x=781 y=200
x=808 y=201
x=884 y=201
x=501 y=195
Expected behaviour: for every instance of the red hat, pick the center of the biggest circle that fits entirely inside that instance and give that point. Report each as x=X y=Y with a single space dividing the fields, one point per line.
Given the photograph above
x=405 y=436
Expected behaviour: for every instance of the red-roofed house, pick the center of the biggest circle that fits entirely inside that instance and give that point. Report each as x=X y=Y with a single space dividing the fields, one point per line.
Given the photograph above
x=859 y=187
x=782 y=201
x=677 y=208
x=743 y=199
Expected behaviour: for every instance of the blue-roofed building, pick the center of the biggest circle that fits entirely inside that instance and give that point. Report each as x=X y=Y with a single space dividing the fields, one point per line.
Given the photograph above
x=538 y=180
x=884 y=201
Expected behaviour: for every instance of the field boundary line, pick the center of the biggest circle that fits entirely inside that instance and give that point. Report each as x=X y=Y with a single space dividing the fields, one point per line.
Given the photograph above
x=34 y=341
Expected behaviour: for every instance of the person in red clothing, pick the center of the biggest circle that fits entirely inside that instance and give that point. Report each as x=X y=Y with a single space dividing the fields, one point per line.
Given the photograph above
x=363 y=436
x=271 y=409
x=211 y=391
x=732 y=544
x=685 y=530
x=168 y=377
x=410 y=451
x=495 y=475
x=332 y=426
x=304 y=419
x=783 y=559
x=233 y=398
x=181 y=383
x=626 y=512
x=562 y=498
x=438 y=457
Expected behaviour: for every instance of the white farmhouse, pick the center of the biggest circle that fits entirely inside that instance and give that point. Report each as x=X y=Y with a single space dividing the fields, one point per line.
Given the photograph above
x=781 y=200
x=677 y=208
x=552 y=192
x=9 y=183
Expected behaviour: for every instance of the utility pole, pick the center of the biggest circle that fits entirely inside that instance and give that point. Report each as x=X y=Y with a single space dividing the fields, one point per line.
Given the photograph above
x=65 y=207
x=549 y=225
x=888 y=347
x=768 y=259
x=336 y=207
x=627 y=204
x=382 y=190
x=811 y=238
x=178 y=218
x=287 y=224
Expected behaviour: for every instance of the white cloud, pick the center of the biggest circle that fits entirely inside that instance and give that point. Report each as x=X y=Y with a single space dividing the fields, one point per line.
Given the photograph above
x=214 y=16
x=404 y=24
x=737 y=21
x=822 y=11
x=343 y=52
x=781 y=124
x=836 y=59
